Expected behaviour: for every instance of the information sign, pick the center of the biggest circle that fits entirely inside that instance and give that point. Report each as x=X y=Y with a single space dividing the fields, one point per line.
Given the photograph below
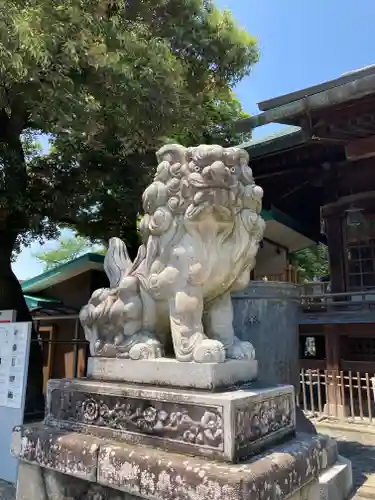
x=14 y=361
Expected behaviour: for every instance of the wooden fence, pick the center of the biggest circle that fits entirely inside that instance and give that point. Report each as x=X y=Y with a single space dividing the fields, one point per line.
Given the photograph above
x=355 y=401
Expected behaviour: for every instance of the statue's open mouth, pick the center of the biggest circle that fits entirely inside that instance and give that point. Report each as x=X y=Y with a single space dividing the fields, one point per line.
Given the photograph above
x=211 y=181
x=215 y=186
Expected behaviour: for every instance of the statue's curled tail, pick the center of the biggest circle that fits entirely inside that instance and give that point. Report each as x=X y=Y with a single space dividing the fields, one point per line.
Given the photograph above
x=117 y=263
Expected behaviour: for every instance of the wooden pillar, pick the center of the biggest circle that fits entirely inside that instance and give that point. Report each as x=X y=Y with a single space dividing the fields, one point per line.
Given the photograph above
x=334 y=402
x=335 y=242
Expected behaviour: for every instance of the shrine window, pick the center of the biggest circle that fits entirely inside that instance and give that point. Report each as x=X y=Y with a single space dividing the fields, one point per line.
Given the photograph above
x=360 y=255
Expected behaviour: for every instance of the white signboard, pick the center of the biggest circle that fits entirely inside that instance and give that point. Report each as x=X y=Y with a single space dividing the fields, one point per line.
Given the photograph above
x=14 y=361
x=8 y=316
x=14 y=347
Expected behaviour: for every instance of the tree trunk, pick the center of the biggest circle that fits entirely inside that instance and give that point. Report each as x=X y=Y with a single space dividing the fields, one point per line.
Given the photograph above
x=11 y=297
x=13 y=220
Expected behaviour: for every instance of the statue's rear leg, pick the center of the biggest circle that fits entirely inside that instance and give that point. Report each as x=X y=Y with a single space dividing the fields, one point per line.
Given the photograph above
x=142 y=344
x=189 y=341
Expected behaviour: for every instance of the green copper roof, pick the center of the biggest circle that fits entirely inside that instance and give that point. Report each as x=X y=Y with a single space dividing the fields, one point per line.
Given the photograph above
x=283 y=132
x=285 y=138
x=34 y=302
x=61 y=273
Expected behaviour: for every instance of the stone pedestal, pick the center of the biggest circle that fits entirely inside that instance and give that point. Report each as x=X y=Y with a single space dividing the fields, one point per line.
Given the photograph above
x=266 y=314
x=228 y=426
x=57 y=464
x=121 y=440
x=169 y=372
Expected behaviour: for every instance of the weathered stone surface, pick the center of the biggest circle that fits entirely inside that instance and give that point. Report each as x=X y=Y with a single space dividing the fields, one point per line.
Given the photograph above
x=42 y=484
x=124 y=470
x=266 y=314
x=337 y=481
x=309 y=491
x=153 y=474
x=30 y=482
x=169 y=372
x=36 y=483
x=229 y=425
x=262 y=422
x=69 y=453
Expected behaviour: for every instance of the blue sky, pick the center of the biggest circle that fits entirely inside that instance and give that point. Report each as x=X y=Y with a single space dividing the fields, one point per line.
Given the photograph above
x=302 y=43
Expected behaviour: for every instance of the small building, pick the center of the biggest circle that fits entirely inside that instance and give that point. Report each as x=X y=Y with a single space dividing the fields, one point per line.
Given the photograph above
x=282 y=236
x=55 y=299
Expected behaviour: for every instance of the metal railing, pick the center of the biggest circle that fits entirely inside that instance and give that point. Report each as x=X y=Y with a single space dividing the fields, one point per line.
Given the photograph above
x=338 y=302
x=338 y=395
x=75 y=341
x=56 y=331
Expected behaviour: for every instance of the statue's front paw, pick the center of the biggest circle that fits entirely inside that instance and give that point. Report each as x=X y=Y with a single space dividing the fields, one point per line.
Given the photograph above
x=209 y=351
x=98 y=345
x=151 y=349
x=241 y=350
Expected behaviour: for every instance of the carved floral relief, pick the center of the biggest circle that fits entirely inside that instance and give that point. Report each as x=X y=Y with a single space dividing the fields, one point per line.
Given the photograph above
x=187 y=423
x=263 y=418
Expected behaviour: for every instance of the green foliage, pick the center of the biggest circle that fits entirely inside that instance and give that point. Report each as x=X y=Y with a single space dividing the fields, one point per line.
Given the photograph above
x=68 y=249
x=108 y=81
x=311 y=262
x=31 y=145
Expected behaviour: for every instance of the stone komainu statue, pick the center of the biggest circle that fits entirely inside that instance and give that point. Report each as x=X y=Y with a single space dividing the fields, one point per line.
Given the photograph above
x=201 y=233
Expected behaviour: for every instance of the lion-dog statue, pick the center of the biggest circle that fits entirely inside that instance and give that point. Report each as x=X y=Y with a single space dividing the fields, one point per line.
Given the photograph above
x=201 y=232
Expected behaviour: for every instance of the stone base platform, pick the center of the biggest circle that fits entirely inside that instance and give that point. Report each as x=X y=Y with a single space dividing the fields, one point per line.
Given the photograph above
x=337 y=481
x=230 y=425
x=57 y=464
x=170 y=372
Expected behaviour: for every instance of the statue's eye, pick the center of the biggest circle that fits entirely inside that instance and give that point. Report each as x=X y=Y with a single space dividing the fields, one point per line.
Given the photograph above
x=196 y=168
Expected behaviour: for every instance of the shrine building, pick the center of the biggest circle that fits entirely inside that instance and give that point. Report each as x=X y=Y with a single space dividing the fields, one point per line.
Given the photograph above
x=319 y=171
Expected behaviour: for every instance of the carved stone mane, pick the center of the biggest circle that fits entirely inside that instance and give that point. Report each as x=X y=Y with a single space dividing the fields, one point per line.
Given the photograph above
x=200 y=232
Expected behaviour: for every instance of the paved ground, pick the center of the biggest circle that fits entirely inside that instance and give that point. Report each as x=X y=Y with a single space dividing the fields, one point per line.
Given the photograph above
x=357 y=443
x=363 y=463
